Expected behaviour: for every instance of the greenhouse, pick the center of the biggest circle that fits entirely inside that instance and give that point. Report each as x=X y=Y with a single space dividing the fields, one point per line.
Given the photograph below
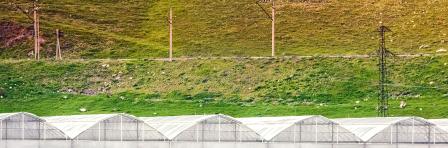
x=300 y=129
x=197 y=128
x=106 y=127
x=26 y=126
x=25 y=130
x=392 y=130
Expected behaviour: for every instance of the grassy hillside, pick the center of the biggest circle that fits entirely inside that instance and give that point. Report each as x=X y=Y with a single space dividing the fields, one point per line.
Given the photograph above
x=138 y=28
x=334 y=87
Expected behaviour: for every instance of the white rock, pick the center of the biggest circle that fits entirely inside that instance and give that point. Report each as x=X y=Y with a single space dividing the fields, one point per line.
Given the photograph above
x=82 y=109
x=441 y=50
x=431 y=83
x=424 y=46
x=421 y=109
x=357 y=102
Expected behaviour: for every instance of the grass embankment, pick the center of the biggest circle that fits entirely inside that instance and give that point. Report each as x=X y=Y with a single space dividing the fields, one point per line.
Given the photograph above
x=333 y=87
x=138 y=28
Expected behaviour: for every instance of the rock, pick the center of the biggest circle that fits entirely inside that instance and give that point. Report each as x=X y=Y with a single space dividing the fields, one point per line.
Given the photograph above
x=441 y=50
x=82 y=109
x=445 y=95
x=424 y=46
x=357 y=102
x=431 y=83
x=88 y=92
x=403 y=104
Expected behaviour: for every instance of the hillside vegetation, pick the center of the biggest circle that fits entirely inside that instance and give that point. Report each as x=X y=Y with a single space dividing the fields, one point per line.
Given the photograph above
x=138 y=28
x=334 y=87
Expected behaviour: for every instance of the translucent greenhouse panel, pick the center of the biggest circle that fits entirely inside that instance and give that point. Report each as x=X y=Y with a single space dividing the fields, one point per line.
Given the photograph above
x=438 y=135
x=388 y=135
x=2 y=130
x=24 y=126
x=120 y=128
x=147 y=133
x=342 y=135
x=218 y=128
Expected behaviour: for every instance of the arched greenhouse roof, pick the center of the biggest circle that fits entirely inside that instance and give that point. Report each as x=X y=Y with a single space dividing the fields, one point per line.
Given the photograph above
x=393 y=129
x=271 y=128
x=174 y=126
x=76 y=125
x=28 y=126
x=441 y=123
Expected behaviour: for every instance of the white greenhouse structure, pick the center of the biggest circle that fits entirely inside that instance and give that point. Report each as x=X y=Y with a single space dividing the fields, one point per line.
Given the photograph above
x=26 y=126
x=393 y=130
x=300 y=129
x=105 y=127
x=25 y=130
x=199 y=128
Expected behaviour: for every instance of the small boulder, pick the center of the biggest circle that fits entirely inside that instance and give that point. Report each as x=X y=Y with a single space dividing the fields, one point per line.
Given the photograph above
x=441 y=50
x=403 y=104
x=82 y=109
x=424 y=46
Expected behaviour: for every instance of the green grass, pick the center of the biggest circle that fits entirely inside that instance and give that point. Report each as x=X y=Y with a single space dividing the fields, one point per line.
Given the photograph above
x=334 y=87
x=138 y=28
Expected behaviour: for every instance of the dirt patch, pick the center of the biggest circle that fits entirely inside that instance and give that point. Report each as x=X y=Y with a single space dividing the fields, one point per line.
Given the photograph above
x=12 y=33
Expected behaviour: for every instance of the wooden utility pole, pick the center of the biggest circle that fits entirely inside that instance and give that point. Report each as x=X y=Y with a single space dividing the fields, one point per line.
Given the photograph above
x=171 y=34
x=58 y=46
x=36 y=31
x=273 y=28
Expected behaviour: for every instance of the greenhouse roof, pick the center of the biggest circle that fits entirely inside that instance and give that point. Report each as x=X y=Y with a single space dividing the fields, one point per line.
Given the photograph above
x=269 y=127
x=6 y=115
x=74 y=125
x=441 y=123
x=172 y=126
x=367 y=128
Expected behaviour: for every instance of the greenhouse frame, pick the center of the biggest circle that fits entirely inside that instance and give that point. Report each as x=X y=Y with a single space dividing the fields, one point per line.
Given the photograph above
x=27 y=126
x=25 y=130
x=105 y=127
x=219 y=128
x=393 y=130
x=300 y=129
